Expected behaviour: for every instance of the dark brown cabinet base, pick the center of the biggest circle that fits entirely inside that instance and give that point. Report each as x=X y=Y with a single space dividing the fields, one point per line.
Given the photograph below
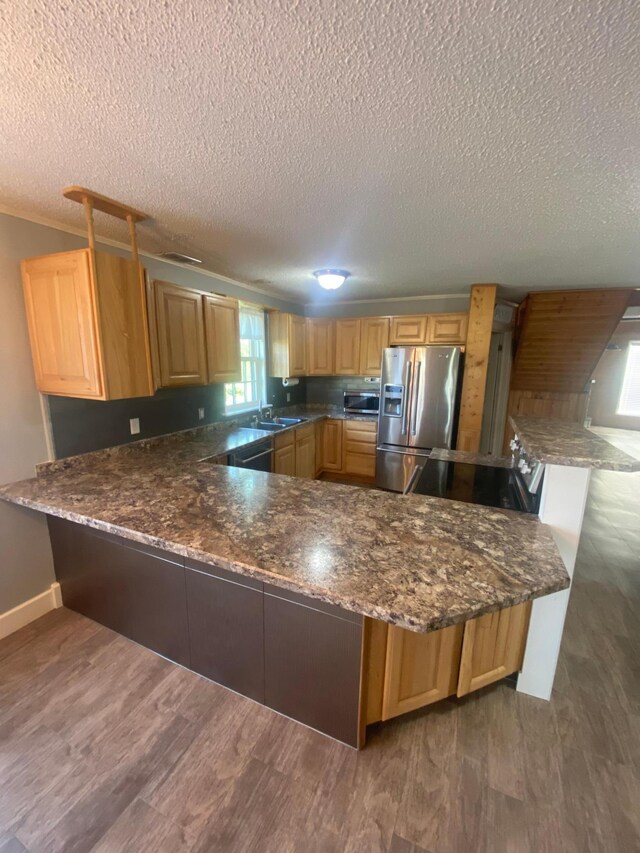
x=293 y=653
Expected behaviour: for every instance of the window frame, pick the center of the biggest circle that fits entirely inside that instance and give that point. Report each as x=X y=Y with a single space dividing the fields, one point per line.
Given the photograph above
x=633 y=352
x=257 y=361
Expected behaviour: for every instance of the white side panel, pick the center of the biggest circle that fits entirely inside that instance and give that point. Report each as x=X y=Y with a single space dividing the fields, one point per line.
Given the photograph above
x=16 y=618
x=564 y=497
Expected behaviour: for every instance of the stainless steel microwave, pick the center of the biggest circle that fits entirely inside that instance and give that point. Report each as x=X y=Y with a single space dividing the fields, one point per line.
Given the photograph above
x=362 y=402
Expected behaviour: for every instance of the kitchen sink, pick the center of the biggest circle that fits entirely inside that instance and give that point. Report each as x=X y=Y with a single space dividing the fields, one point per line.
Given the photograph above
x=289 y=421
x=272 y=426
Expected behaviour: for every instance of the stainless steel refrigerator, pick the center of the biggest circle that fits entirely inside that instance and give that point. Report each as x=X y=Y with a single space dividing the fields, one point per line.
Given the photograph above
x=418 y=397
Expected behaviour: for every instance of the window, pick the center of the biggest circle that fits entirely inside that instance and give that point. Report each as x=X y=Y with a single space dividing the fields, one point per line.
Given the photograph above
x=630 y=395
x=250 y=392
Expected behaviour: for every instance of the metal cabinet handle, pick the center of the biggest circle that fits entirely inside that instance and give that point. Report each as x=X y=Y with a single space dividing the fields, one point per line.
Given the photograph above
x=405 y=399
x=414 y=413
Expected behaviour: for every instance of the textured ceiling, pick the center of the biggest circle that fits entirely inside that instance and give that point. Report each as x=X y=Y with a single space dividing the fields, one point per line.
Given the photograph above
x=422 y=145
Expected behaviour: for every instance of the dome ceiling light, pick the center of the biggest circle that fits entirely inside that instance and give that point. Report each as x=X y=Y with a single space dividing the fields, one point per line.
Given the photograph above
x=331 y=279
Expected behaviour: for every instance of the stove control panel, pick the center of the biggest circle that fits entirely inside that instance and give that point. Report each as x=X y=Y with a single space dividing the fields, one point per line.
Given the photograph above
x=529 y=468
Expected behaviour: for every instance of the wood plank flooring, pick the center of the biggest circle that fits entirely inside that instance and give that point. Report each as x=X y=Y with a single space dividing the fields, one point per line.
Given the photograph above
x=106 y=747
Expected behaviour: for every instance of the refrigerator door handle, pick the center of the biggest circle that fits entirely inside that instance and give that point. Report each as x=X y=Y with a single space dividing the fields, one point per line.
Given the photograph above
x=408 y=489
x=405 y=399
x=414 y=401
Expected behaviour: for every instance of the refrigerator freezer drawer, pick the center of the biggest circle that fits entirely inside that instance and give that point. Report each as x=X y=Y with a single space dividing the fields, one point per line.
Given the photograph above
x=395 y=466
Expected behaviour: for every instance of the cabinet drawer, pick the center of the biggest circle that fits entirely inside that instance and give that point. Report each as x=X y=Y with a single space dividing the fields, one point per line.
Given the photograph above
x=304 y=431
x=284 y=439
x=362 y=432
x=360 y=464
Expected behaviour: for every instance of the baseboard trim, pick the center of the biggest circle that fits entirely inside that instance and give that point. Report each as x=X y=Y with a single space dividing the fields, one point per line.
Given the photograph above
x=16 y=618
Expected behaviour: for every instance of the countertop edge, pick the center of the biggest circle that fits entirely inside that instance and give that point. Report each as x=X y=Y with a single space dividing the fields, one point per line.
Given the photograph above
x=243 y=569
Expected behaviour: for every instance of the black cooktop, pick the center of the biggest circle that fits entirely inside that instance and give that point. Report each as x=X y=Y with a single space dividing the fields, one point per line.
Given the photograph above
x=477 y=484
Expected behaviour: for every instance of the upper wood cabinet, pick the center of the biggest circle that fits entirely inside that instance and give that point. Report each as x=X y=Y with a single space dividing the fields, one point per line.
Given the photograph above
x=320 y=347
x=447 y=328
x=287 y=345
x=347 y=347
x=87 y=318
x=374 y=339
x=222 y=332
x=181 y=336
x=410 y=330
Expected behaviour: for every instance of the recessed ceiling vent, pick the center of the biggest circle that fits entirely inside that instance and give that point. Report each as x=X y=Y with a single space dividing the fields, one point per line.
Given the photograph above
x=179 y=258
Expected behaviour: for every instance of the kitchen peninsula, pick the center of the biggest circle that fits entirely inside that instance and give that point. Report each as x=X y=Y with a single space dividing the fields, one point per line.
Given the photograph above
x=276 y=586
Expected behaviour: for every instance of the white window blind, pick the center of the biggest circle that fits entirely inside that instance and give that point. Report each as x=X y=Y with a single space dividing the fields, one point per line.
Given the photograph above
x=630 y=395
x=250 y=391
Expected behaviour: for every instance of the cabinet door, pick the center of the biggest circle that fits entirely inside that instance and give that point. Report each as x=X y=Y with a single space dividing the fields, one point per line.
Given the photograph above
x=306 y=456
x=181 y=341
x=222 y=329
x=297 y=345
x=409 y=330
x=420 y=668
x=447 y=329
x=332 y=445
x=226 y=628
x=284 y=460
x=373 y=340
x=359 y=447
x=347 y=347
x=493 y=647
x=312 y=655
x=320 y=347
x=61 y=313
x=318 y=436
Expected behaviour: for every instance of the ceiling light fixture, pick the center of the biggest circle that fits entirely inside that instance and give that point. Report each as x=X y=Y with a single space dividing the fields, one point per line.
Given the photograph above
x=331 y=279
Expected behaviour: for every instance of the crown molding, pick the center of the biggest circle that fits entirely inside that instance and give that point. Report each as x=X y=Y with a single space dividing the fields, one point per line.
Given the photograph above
x=422 y=298
x=117 y=244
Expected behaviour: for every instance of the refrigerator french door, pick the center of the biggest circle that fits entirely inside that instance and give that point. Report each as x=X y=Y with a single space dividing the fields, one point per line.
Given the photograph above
x=418 y=395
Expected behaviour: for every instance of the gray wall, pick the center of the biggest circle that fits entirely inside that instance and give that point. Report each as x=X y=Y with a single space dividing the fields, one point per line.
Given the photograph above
x=329 y=389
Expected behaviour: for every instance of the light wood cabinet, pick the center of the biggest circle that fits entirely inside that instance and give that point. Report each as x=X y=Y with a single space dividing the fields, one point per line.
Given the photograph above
x=306 y=451
x=222 y=334
x=407 y=670
x=320 y=347
x=284 y=460
x=374 y=339
x=410 y=330
x=347 y=358
x=87 y=318
x=447 y=329
x=287 y=345
x=421 y=668
x=332 y=445
x=318 y=436
x=181 y=335
x=493 y=647
x=359 y=448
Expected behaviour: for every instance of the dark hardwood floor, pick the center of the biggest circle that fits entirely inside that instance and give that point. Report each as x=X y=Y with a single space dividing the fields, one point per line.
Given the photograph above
x=106 y=747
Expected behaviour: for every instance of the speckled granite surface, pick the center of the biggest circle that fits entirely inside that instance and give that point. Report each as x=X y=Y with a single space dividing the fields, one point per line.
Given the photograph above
x=418 y=562
x=565 y=443
x=471 y=458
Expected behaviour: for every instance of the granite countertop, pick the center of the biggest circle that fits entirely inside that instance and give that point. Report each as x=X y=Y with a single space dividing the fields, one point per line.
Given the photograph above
x=471 y=458
x=558 y=442
x=418 y=562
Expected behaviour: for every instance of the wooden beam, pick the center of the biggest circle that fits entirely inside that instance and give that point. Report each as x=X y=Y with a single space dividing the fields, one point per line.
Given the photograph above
x=476 y=361
x=104 y=204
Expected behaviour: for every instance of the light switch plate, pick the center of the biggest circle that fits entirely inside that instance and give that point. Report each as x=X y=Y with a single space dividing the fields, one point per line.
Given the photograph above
x=288 y=397
x=134 y=426
x=200 y=414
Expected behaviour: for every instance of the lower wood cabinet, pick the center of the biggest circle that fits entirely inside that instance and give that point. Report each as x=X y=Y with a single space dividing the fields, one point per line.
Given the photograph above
x=493 y=647
x=306 y=451
x=407 y=670
x=332 y=445
x=312 y=663
x=359 y=448
x=284 y=457
x=226 y=628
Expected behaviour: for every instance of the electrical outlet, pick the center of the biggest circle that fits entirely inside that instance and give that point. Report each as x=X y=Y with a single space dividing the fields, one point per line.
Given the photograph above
x=134 y=426
x=288 y=397
x=200 y=414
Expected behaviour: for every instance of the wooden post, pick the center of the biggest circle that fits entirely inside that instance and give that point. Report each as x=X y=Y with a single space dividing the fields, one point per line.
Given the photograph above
x=88 y=209
x=132 y=234
x=476 y=362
